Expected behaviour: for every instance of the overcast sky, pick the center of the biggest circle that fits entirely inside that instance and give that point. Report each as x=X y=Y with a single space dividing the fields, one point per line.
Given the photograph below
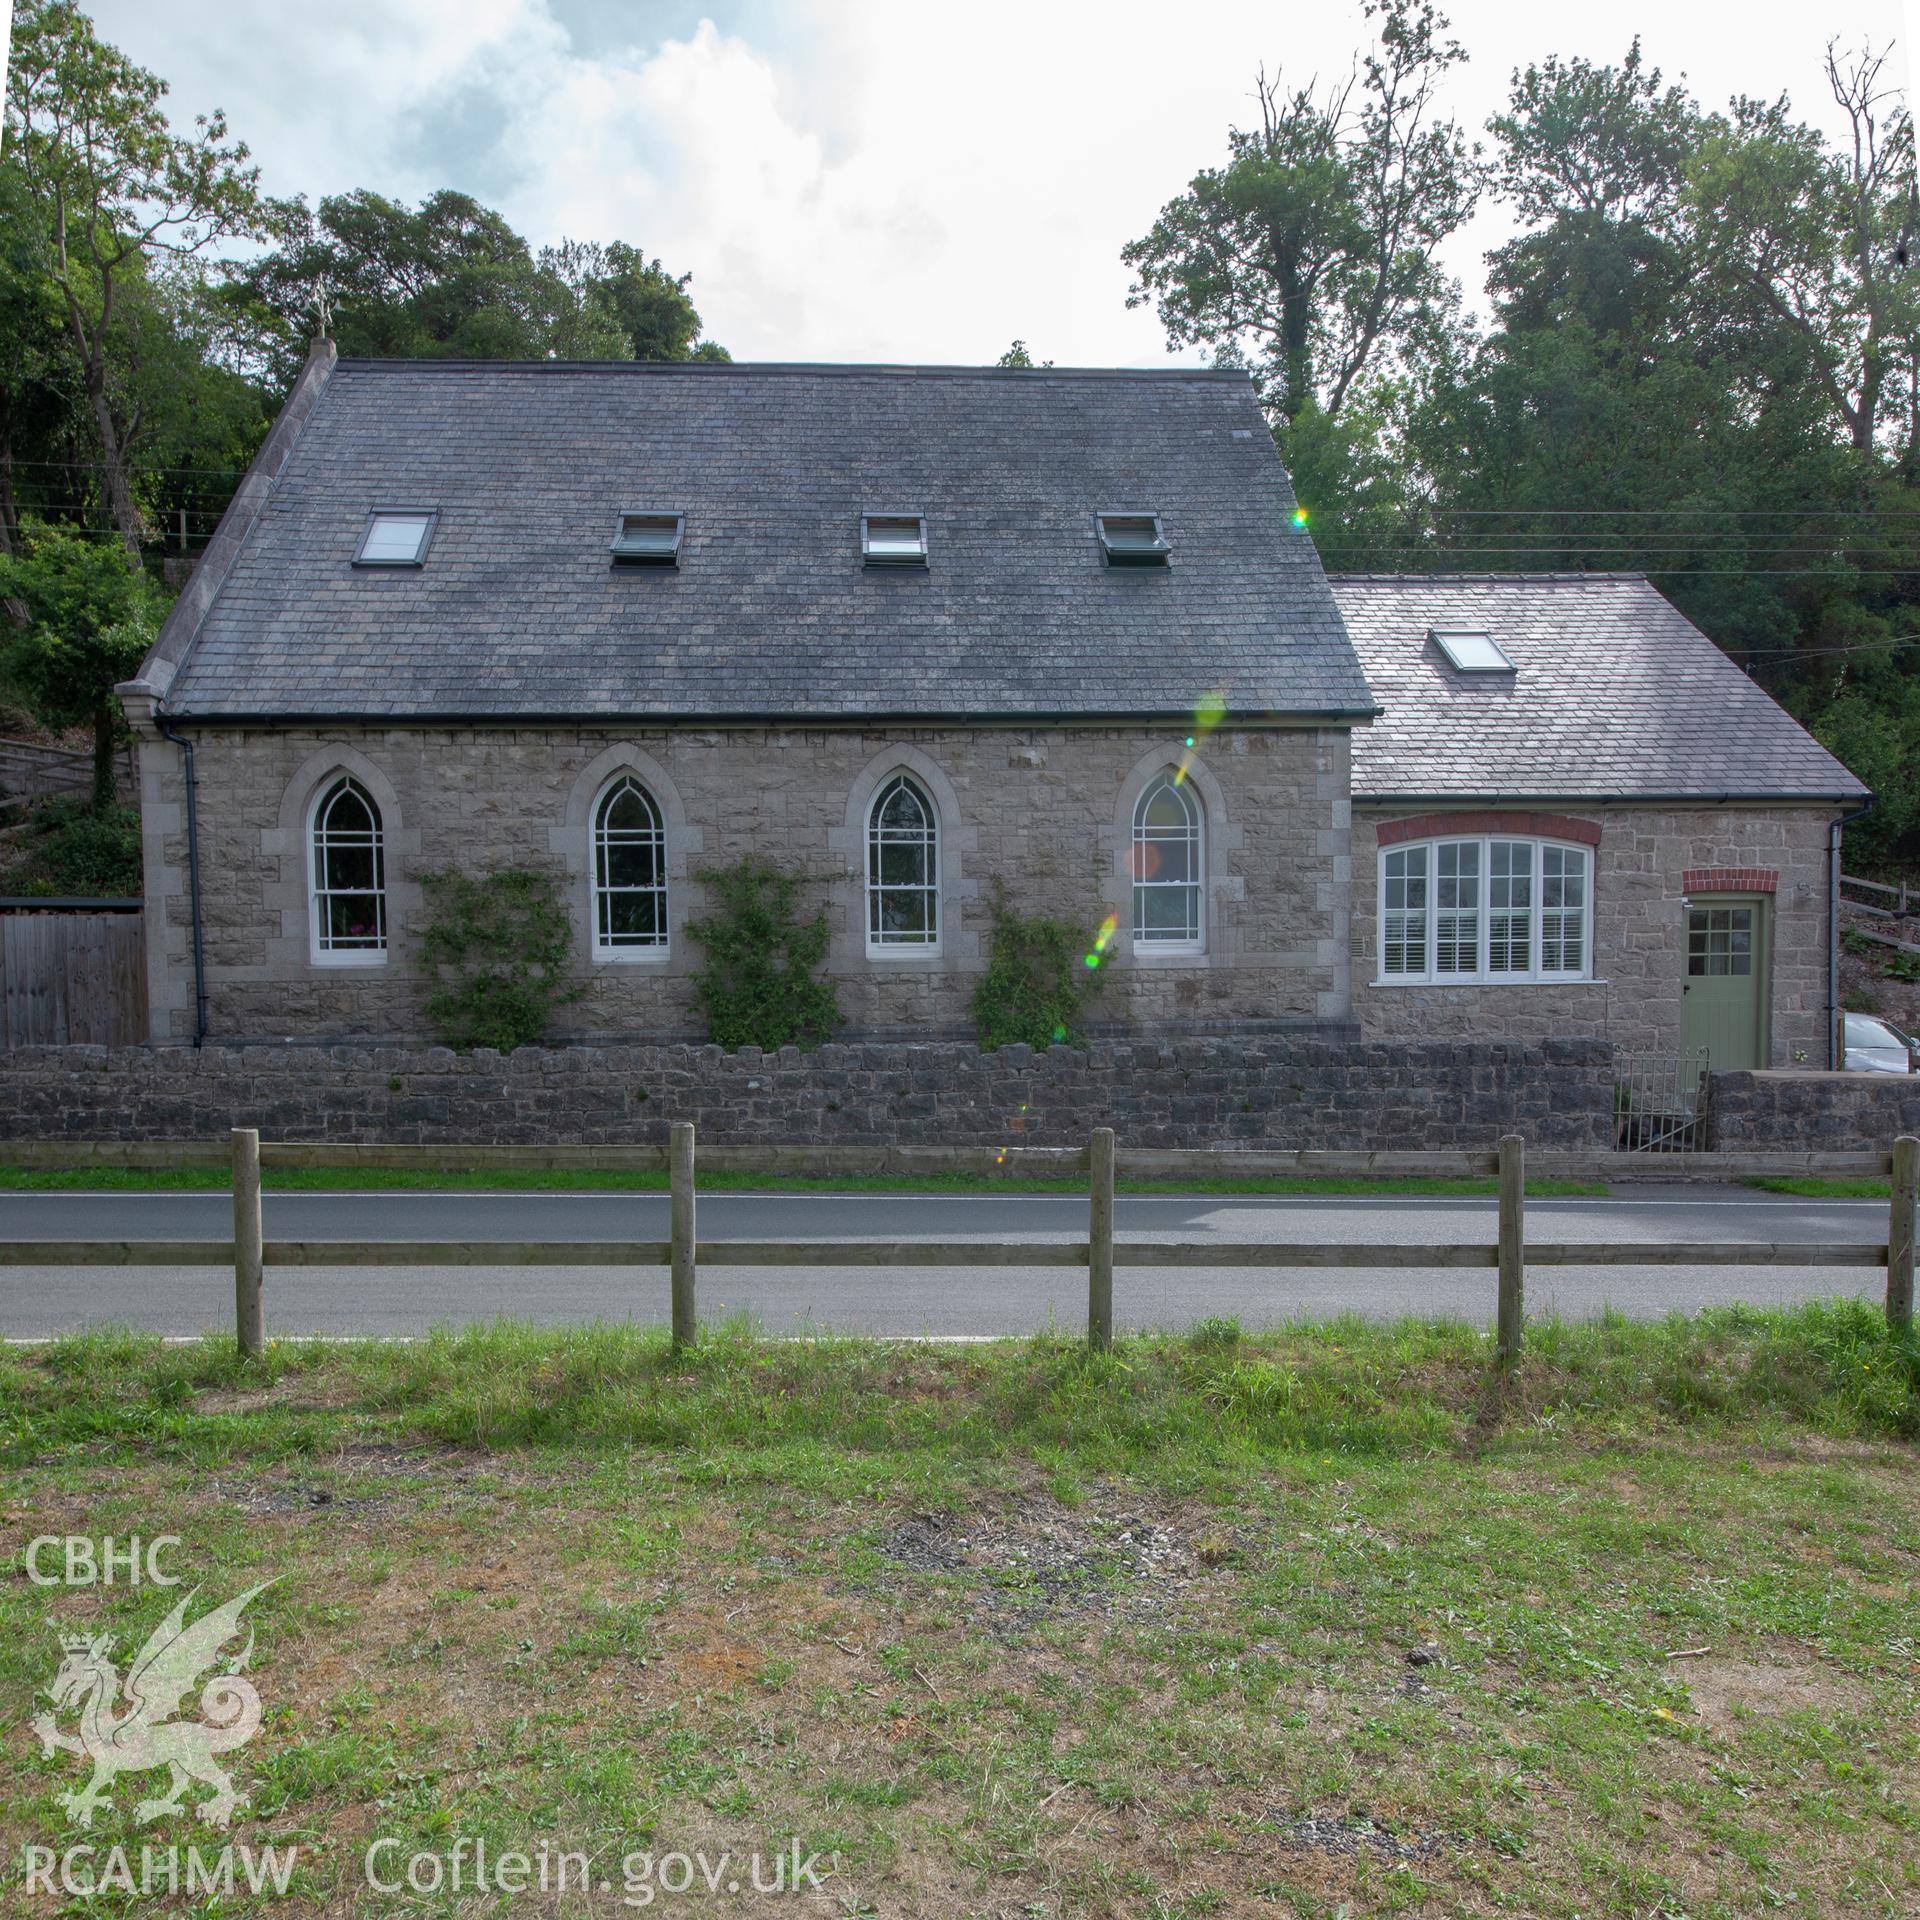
x=855 y=181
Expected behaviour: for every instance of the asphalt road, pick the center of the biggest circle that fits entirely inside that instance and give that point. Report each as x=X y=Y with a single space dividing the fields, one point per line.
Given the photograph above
x=37 y=1301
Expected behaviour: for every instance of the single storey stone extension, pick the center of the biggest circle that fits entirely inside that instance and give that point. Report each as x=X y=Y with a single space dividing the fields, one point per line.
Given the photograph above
x=918 y=633
x=1619 y=769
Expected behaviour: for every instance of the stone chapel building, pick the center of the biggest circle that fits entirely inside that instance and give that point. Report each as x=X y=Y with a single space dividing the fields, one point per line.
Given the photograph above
x=915 y=632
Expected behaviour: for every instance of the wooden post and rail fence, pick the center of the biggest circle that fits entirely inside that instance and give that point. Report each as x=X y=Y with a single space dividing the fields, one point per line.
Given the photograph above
x=682 y=1254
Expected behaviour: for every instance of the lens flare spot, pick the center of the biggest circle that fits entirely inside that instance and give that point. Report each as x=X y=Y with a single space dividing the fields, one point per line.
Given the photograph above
x=1299 y=516
x=1093 y=961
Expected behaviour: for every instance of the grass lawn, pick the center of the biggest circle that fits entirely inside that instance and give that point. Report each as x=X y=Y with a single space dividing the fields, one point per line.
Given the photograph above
x=1310 y=1623
x=642 y=1180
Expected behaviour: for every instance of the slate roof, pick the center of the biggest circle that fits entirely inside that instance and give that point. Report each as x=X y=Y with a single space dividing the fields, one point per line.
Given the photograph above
x=517 y=613
x=1615 y=695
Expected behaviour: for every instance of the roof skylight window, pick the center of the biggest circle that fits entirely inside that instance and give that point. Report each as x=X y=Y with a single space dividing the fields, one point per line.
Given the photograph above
x=893 y=539
x=395 y=537
x=648 y=540
x=1132 y=539
x=1470 y=651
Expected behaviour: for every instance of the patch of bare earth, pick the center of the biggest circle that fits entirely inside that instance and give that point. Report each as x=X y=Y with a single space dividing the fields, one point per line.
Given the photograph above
x=1729 y=1690
x=294 y=1393
x=1034 y=1558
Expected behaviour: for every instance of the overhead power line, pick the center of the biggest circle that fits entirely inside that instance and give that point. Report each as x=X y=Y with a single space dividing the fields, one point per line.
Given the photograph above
x=1668 y=513
x=1793 y=656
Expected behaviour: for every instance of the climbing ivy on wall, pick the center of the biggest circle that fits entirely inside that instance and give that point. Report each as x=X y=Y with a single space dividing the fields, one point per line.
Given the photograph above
x=1037 y=981
x=757 y=984
x=497 y=946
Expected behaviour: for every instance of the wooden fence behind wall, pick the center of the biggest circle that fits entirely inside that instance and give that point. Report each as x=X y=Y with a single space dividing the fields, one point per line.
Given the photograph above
x=30 y=771
x=72 y=979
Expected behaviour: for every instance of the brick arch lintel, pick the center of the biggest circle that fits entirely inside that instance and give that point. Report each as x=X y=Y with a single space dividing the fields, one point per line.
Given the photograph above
x=1437 y=826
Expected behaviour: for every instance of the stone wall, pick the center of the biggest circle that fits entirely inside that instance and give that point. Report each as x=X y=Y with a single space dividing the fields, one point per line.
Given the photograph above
x=1046 y=811
x=1639 y=934
x=1824 y=1112
x=1274 y=1091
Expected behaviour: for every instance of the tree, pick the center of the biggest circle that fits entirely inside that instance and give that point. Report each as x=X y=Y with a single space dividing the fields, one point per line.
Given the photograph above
x=38 y=383
x=1017 y=356
x=1700 y=366
x=1309 y=256
x=89 y=624
x=657 y=319
x=1745 y=232
x=1807 y=238
x=115 y=189
x=452 y=279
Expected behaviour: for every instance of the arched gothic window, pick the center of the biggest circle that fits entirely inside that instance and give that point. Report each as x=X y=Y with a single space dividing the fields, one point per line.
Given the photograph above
x=629 y=873
x=903 y=869
x=347 y=875
x=1169 y=896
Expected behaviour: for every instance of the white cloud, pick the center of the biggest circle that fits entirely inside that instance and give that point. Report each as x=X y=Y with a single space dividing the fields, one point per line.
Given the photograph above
x=852 y=181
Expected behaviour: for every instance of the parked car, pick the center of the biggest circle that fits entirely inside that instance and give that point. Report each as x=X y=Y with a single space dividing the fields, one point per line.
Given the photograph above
x=1870 y=1044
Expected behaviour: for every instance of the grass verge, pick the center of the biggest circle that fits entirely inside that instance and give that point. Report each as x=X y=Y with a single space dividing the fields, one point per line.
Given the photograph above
x=1812 y=1189
x=1318 y=1619
x=643 y=1180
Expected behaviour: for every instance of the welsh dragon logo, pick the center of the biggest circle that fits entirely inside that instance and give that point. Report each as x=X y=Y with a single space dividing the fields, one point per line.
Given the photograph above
x=148 y=1734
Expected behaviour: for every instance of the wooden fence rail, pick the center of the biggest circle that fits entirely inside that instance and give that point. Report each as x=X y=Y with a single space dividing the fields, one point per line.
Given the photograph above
x=30 y=771
x=251 y=1254
x=1905 y=898
x=1279 y=1255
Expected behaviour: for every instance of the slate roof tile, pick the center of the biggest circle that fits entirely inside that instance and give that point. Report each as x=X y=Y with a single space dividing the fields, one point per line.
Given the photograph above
x=517 y=612
x=1616 y=694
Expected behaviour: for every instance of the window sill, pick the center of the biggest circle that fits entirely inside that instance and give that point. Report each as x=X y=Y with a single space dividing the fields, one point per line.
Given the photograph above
x=1479 y=980
x=1154 y=955
x=893 y=956
x=348 y=959
x=630 y=956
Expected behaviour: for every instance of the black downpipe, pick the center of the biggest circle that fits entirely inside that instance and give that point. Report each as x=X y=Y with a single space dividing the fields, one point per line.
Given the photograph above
x=1833 y=929
x=193 y=881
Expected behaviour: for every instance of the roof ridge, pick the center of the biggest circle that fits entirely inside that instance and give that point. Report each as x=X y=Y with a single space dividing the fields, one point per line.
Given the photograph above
x=1553 y=576
x=709 y=369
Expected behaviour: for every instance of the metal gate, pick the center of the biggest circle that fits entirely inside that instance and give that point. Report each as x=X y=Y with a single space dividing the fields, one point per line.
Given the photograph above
x=1660 y=1101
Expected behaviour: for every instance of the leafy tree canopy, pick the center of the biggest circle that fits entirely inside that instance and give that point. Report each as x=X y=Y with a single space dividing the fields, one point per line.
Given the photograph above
x=451 y=279
x=87 y=623
x=115 y=196
x=1701 y=363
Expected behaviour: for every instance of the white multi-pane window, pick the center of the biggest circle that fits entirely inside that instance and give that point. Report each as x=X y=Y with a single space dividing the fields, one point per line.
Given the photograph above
x=1510 y=905
x=346 y=877
x=1403 y=910
x=1456 y=907
x=1485 y=909
x=1563 y=910
x=1168 y=895
x=903 y=870
x=629 y=874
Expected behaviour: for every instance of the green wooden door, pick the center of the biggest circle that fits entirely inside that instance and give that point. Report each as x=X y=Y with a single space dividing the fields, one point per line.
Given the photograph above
x=1723 y=999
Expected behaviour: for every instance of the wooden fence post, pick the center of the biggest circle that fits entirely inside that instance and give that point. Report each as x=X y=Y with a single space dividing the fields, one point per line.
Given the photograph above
x=1100 y=1240
x=1900 y=1233
x=686 y=1323
x=1511 y=1325
x=249 y=1271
